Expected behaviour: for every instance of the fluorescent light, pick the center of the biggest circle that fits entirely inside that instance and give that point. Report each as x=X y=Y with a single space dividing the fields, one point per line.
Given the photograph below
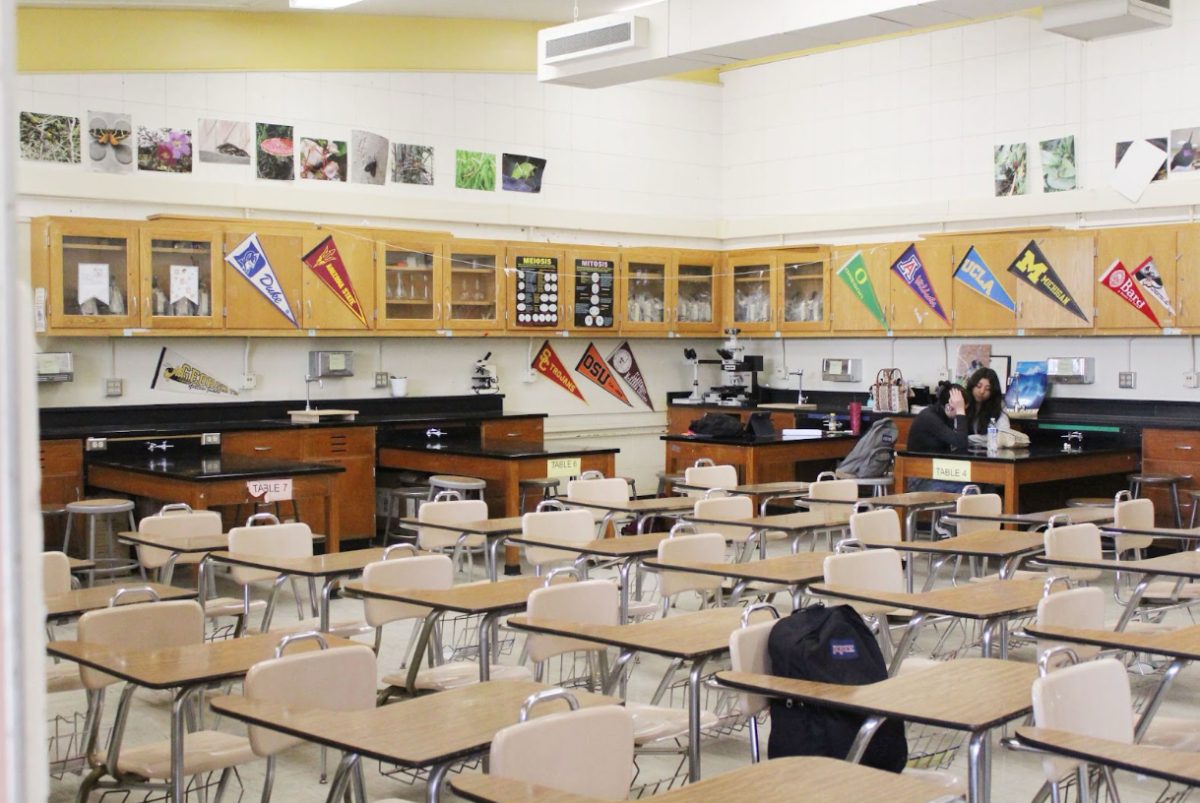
x=320 y=5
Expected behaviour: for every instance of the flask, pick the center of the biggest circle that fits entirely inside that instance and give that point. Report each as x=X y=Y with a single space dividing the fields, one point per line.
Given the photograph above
x=993 y=437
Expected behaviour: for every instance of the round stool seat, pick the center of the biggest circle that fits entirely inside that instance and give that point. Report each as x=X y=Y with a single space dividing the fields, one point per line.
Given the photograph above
x=409 y=492
x=54 y=508
x=99 y=507
x=1089 y=501
x=452 y=482
x=1158 y=479
x=540 y=482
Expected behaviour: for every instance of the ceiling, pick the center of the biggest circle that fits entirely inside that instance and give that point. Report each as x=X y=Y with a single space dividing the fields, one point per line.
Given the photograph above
x=531 y=10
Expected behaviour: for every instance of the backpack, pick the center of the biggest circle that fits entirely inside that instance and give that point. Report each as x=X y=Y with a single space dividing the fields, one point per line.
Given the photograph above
x=872 y=455
x=831 y=645
x=717 y=425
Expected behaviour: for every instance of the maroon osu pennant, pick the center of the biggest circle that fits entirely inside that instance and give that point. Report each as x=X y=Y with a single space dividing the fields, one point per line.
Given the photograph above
x=626 y=367
x=593 y=366
x=327 y=263
x=550 y=366
x=1118 y=279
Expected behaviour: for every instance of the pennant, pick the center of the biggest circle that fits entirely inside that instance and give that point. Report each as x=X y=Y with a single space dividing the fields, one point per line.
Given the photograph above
x=593 y=366
x=176 y=374
x=250 y=261
x=854 y=274
x=975 y=274
x=911 y=269
x=1032 y=266
x=326 y=262
x=626 y=366
x=1150 y=280
x=1117 y=279
x=550 y=366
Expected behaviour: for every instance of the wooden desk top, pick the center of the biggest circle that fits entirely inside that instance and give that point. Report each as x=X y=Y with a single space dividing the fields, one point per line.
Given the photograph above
x=1075 y=515
x=1186 y=534
x=984 y=543
x=790 y=523
x=1170 y=765
x=485 y=597
x=622 y=546
x=687 y=636
x=799 y=779
x=665 y=504
x=970 y=600
x=173 y=543
x=172 y=667
x=491 y=527
x=804 y=567
x=79 y=565
x=1178 y=564
x=913 y=499
x=328 y=565
x=82 y=600
x=1183 y=643
x=970 y=694
x=753 y=489
x=414 y=733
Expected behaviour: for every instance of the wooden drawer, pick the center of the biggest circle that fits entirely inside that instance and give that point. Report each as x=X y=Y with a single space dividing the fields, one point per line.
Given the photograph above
x=281 y=444
x=1171 y=444
x=61 y=457
x=338 y=442
x=1159 y=494
x=511 y=430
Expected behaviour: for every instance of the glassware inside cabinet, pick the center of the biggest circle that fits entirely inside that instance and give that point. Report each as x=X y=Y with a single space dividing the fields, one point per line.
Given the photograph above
x=94 y=275
x=647 y=294
x=408 y=285
x=752 y=293
x=473 y=287
x=695 y=294
x=803 y=292
x=181 y=278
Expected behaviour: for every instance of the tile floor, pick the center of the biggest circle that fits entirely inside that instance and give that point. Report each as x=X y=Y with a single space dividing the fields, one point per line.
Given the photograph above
x=1016 y=776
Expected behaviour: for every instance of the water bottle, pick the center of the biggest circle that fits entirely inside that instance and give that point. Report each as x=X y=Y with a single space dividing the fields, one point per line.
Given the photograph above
x=993 y=437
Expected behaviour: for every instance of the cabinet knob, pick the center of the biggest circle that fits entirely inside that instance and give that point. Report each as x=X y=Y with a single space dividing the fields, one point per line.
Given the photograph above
x=262 y=448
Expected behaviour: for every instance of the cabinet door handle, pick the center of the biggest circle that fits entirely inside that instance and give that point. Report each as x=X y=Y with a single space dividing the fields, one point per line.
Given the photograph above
x=262 y=448
x=308 y=307
x=133 y=305
x=1184 y=447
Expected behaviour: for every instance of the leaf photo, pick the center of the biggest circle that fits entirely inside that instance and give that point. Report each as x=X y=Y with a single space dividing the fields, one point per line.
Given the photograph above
x=522 y=173
x=49 y=137
x=274 y=152
x=412 y=164
x=475 y=170
x=1058 y=164
x=1011 y=166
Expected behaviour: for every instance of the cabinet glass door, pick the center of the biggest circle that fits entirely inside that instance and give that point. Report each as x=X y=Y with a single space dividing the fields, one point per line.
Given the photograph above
x=94 y=278
x=473 y=288
x=645 y=295
x=410 y=292
x=751 y=294
x=179 y=281
x=695 y=296
x=804 y=295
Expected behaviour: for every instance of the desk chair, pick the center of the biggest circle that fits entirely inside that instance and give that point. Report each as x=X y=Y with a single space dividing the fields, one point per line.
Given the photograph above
x=1138 y=514
x=604 y=491
x=748 y=653
x=57 y=580
x=147 y=625
x=329 y=680
x=732 y=508
x=596 y=474
x=826 y=487
x=698 y=548
x=1074 y=541
x=723 y=476
x=876 y=527
x=449 y=511
x=583 y=751
x=570 y=526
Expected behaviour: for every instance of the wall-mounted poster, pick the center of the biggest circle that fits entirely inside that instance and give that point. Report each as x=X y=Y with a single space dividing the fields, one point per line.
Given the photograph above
x=323 y=159
x=522 y=173
x=177 y=374
x=911 y=270
x=369 y=154
x=854 y=274
x=536 y=296
x=49 y=137
x=1118 y=279
x=326 y=261
x=475 y=170
x=1158 y=142
x=594 y=293
x=593 y=366
x=110 y=150
x=975 y=273
x=1184 y=142
x=275 y=151
x=547 y=363
x=224 y=142
x=1011 y=166
x=412 y=164
x=164 y=150
x=1058 y=164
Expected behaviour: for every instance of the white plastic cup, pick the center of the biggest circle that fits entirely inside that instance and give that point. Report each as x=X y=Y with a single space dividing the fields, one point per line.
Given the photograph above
x=399 y=386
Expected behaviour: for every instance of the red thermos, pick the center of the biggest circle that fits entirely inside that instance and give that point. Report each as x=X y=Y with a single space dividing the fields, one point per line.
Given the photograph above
x=855 y=418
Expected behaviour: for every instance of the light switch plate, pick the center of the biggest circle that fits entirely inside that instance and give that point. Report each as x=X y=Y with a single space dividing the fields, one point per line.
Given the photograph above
x=382 y=379
x=114 y=387
x=1127 y=380
x=1191 y=379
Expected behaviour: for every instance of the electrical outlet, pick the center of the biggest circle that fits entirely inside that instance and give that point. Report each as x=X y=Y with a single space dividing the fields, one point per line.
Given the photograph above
x=114 y=387
x=249 y=381
x=1127 y=380
x=529 y=377
x=210 y=439
x=1191 y=379
x=382 y=379
x=944 y=375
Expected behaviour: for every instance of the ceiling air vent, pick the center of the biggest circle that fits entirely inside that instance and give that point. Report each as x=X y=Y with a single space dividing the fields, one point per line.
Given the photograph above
x=592 y=37
x=1096 y=19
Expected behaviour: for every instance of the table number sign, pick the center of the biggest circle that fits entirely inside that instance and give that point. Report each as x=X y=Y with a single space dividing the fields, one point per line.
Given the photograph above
x=270 y=490
x=564 y=466
x=952 y=470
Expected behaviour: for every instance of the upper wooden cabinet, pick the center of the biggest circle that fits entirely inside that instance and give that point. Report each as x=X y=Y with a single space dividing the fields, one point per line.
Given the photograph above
x=474 y=286
x=802 y=290
x=1155 y=251
x=1187 y=313
x=92 y=271
x=694 y=293
x=182 y=277
x=535 y=297
x=589 y=286
x=409 y=284
x=256 y=301
x=1070 y=255
x=911 y=296
x=336 y=298
x=859 y=285
x=646 y=285
x=984 y=293
x=750 y=289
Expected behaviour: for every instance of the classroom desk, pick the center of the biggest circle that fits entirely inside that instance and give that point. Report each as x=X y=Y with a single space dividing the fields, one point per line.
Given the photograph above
x=1040 y=519
x=766 y=459
x=794 y=525
x=1182 y=566
x=1014 y=468
x=81 y=600
x=330 y=567
x=794 y=571
x=176 y=545
x=435 y=730
x=694 y=637
x=1169 y=765
x=626 y=550
x=183 y=669
x=991 y=603
x=79 y=564
x=970 y=694
x=640 y=510
x=797 y=779
x=762 y=492
x=1007 y=546
x=1187 y=535
x=494 y=531
x=492 y=600
x=204 y=482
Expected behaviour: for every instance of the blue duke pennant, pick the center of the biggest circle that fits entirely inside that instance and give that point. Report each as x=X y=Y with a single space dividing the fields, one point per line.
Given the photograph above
x=975 y=273
x=911 y=269
x=251 y=262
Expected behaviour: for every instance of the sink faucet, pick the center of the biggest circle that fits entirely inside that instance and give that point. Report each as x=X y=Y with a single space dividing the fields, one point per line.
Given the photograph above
x=308 y=380
x=1073 y=441
x=800 y=398
x=159 y=447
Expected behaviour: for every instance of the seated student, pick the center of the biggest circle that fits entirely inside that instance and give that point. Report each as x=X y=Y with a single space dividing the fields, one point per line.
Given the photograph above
x=985 y=402
x=940 y=427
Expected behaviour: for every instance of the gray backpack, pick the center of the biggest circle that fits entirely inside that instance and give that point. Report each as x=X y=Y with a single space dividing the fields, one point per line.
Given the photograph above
x=873 y=454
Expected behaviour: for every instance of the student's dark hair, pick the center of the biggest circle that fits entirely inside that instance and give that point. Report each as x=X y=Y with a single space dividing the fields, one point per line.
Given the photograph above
x=943 y=392
x=982 y=414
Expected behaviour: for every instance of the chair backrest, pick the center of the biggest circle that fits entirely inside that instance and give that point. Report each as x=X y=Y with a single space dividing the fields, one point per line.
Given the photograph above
x=977 y=505
x=728 y=508
x=1134 y=514
x=1074 y=541
x=584 y=752
x=421 y=571
x=139 y=625
x=748 y=653
x=876 y=527
x=1078 y=607
x=613 y=489
x=339 y=679
x=291 y=540
x=175 y=523
x=840 y=490
x=872 y=570
x=56 y=574
x=1091 y=698
x=724 y=476
x=569 y=526
x=699 y=548
x=595 y=602
x=458 y=510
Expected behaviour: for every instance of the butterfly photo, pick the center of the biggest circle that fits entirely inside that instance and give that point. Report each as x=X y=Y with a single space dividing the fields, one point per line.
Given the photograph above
x=108 y=148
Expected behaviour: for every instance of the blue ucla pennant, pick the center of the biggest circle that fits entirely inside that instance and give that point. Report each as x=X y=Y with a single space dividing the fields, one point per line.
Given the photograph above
x=911 y=269
x=974 y=273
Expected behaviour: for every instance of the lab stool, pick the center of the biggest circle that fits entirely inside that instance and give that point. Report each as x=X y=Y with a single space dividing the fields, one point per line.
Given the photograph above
x=401 y=502
x=546 y=486
x=667 y=480
x=1089 y=501
x=1136 y=481
x=450 y=482
x=94 y=509
x=1195 y=496
x=879 y=485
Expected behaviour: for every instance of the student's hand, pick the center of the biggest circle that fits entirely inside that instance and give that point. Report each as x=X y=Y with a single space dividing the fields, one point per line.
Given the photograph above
x=957 y=402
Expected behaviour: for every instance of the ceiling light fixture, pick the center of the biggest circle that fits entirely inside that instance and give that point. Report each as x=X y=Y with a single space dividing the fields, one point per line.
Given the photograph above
x=320 y=5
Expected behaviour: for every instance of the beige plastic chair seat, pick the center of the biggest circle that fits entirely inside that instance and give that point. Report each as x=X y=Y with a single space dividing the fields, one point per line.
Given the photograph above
x=230 y=606
x=640 y=609
x=951 y=783
x=205 y=751
x=346 y=629
x=455 y=675
x=62 y=677
x=1163 y=591
x=1173 y=733
x=652 y=723
x=1019 y=574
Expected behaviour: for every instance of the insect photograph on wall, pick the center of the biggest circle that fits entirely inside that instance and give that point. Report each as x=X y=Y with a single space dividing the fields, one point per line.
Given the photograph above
x=109 y=148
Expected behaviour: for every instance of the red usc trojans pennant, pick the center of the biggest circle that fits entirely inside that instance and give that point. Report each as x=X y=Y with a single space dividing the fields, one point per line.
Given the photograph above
x=593 y=366
x=1118 y=279
x=550 y=366
x=327 y=263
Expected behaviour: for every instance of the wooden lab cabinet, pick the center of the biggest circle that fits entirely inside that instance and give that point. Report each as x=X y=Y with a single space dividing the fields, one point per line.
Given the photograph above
x=61 y=462
x=859 y=273
x=589 y=285
x=506 y=431
x=1132 y=246
x=473 y=285
x=1187 y=303
x=984 y=260
x=409 y=284
x=535 y=298
x=1171 y=451
x=90 y=271
x=182 y=276
x=1071 y=255
x=645 y=289
x=694 y=296
x=248 y=307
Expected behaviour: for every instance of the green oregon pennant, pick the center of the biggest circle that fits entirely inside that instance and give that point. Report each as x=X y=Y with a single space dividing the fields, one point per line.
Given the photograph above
x=1033 y=267
x=854 y=274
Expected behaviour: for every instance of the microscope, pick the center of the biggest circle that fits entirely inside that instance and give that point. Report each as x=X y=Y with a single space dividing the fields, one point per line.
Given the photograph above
x=739 y=374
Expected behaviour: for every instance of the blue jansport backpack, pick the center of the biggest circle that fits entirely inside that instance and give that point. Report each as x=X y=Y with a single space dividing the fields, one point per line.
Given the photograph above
x=831 y=645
